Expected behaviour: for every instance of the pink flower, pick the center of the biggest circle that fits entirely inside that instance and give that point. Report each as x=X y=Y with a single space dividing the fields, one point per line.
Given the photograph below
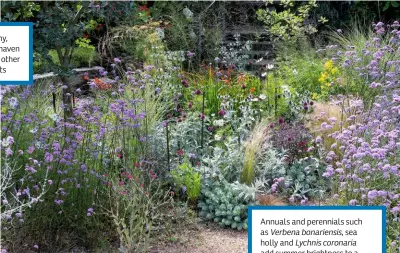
x=31 y=149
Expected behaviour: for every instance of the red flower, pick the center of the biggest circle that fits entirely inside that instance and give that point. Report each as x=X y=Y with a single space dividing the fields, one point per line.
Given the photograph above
x=143 y=8
x=121 y=183
x=85 y=35
x=123 y=192
x=137 y=165
x=180 y=152
x=130 y=176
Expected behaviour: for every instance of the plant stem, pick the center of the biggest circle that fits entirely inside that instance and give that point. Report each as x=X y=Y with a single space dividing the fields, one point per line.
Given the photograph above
x=167 y=132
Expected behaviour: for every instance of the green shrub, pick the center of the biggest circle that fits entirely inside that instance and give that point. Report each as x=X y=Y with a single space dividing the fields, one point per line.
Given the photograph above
x=293 y=22
x=185 y=176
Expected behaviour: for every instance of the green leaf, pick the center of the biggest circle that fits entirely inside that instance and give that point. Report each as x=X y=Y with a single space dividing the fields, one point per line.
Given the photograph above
x=387 y=4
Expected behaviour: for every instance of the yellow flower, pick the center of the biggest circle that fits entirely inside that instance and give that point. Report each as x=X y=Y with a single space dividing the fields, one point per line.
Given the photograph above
x=314 y=96
x=323 y=77
x=328 y=65
x=334 y=71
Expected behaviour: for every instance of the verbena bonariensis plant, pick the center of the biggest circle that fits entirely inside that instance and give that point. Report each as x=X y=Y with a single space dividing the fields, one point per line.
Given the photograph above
x=368 y=65
x=364 y=160
x=71 y=158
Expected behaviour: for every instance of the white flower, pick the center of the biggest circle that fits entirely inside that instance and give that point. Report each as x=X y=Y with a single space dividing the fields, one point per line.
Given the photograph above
x=34 y=130
x=264 y=74
x=13 y=102
x=262 y=96
x=54 y=116
x=5 y=143
x=294 y=71
x=270 y=66
x=10 y=139
x=217 y=137
x=219 y=122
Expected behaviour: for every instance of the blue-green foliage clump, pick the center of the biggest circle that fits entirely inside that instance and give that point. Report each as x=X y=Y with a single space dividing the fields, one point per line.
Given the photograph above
x=221 y=203
x=305 y=177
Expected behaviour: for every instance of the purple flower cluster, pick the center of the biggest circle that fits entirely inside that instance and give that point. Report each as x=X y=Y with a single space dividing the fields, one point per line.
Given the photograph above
x=71 y=159
x=365 y=158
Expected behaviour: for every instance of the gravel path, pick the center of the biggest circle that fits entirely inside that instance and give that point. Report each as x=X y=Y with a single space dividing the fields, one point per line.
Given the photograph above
x=205 y=238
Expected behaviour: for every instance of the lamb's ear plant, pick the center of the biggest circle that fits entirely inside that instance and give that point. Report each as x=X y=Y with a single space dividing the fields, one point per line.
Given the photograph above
x=248 y=193
x=270 y=164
